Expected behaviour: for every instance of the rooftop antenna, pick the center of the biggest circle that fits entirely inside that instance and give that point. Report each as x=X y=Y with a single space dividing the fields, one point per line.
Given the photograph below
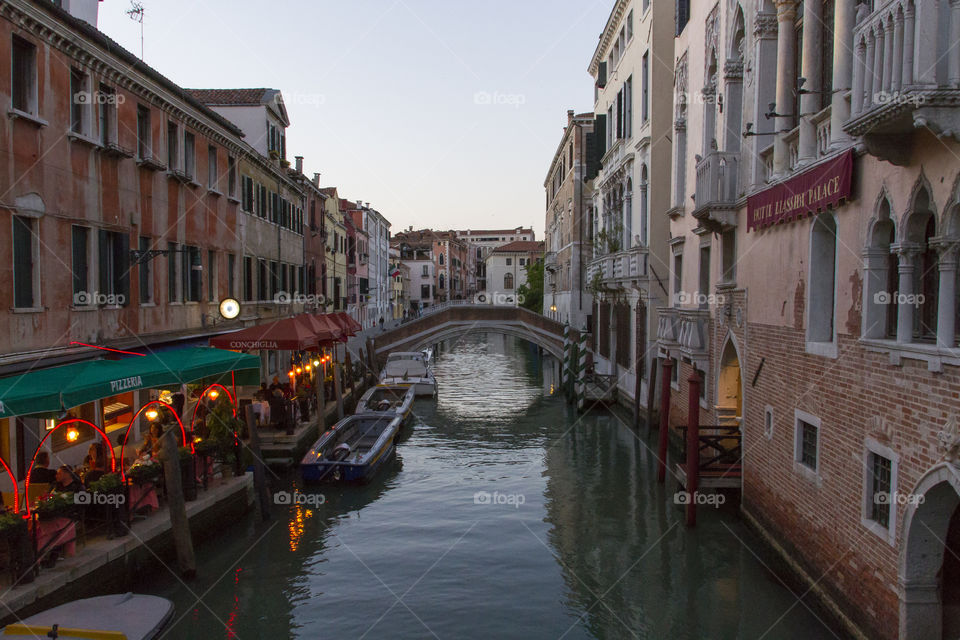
x=135 y=12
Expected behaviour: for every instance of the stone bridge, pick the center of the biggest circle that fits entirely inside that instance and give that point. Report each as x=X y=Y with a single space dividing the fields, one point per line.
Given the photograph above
x=462 y=319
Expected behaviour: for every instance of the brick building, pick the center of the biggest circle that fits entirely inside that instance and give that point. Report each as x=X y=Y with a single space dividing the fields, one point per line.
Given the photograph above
x=814 y=234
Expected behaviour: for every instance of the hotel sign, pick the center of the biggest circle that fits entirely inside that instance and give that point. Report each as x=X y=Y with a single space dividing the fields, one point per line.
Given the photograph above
x=810 y=192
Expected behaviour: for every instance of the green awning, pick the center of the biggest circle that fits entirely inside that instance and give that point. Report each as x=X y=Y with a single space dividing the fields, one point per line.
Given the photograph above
x=70 y=385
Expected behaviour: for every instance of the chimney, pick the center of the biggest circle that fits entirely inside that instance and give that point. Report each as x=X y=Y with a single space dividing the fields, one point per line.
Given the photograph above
x=316 y=179
x=299 y=164
x=85 y=10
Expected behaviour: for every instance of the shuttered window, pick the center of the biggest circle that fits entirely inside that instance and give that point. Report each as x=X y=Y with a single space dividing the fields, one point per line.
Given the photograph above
x=23 y=261
x=145 y=273
x=622 y=319
x=682 y=15
x=114 y=262
x=81 y=268
x=172 y=262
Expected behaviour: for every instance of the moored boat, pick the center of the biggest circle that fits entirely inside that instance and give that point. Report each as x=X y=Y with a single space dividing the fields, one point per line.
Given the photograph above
x=351 y=450
x=409 y=367
x=390 y=399
x=121 y=615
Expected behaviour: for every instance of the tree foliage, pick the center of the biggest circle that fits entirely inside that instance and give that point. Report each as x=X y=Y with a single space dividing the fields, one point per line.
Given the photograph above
x=531 y=292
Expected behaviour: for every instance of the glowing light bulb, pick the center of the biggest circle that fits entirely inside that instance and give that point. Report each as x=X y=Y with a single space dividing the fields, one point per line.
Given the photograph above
x=316 y=363
x=213 y=394
x=299 y=370
x=72 y=435
x=291 y=374
x=306 y=367
x=151 y=414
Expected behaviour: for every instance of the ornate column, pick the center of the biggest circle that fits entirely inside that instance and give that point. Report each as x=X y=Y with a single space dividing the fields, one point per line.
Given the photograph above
x=869 y=71
x=856 y=98
x=947 y=295
x=896 y=82
x=844 y=15
x=764 y=82
x=786 y=82
x=810 y=102
x=875 y=282
x=888 y=55
x=908 y=40
x=907 y=253
x=733 y=81
x=953 y=53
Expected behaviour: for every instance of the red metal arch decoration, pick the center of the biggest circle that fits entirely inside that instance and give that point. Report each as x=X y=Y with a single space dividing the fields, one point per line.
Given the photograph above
x=113 y=457
x=202 y=395
x=126 y=433
x=16 y=487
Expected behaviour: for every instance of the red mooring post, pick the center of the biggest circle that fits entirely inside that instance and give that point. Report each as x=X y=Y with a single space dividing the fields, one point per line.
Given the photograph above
x=693 y=446
x=664 y=419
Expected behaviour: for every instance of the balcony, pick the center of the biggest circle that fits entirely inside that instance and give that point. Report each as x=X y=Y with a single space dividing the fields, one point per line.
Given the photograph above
x=694 y=334
x=901 y=75
x=668 y=327
x=620 y=268
x=717 y=190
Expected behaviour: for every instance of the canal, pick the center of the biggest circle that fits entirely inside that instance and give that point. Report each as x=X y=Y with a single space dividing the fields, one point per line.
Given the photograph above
x=505 y=515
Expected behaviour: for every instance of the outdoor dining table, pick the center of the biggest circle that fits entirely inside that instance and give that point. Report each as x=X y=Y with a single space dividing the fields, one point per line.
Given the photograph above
x=56 y=532
x=143 y=495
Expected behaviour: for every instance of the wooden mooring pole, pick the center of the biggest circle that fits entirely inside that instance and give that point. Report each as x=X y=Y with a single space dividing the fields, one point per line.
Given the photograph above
x=179 y=524
x=693 y=446
x=664 y=420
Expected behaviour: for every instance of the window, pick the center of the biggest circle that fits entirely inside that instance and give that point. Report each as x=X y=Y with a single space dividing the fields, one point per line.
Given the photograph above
x=675 y=372
x=768 y=422
x=144 y=135
x=628 y=108
x=261 y=280
x=821 y=303
x=231 y=275
x=677 y=274
x=508 y=281
x=879 y=486
x=107 y=103
x=509 y=262
x=173 y=153
x=79 y=102
x=248 y=278
x=191 y=273
x=728 y=249
x=426 y=270
x=144 y=273
x=425 y=291
x=274 y=279
x=630 y=20
x=23 y=94
x=173 y=291
x=440 y=259
x=114 y=250
x=926 y=286
x=231 y=176
x=189 y=154
x=212 y=174
x=610 y=128
x=24 y=262
x=807 y=442
x=682 y=15
x=704 y=289
x=645 y=88
x=246 y=198
x=81 y=266
x=211 y=275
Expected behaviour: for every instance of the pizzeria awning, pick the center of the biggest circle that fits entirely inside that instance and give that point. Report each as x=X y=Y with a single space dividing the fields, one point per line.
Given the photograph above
x=58 y=388
x=289 y=334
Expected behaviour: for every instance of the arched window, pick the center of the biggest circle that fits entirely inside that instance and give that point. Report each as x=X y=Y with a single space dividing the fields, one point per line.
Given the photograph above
x=508 y=281
x=926 y=285
x=442 y=281
x=821 y=302
x=628 y=215
x=881 y=277
x=440 y=259
x=643 y=204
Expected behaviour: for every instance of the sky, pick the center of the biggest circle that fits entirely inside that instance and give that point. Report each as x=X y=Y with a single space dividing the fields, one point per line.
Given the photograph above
x=442 y=114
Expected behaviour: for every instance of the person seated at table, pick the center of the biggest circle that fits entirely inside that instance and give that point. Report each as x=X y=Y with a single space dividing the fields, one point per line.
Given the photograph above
x=263 y=393
x=95 y=460
x=67 y=481
x=153 y=441
x=42 y=471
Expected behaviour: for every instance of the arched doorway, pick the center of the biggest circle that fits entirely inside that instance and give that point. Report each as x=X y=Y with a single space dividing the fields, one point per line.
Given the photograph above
x=729 y=386
x=929 y=571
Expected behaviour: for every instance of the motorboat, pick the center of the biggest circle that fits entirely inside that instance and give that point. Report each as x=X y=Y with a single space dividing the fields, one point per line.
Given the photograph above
x=352 y=450
x=391 y=399
x=119 y=615
x=409 y=367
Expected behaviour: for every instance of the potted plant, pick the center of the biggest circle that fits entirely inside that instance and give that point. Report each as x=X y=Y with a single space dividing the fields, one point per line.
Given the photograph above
x=144 y=472
x=57 y=505
x=13 y=533
x=223 y=428
x=188 y=473
x=11 y=526
x=114 y=511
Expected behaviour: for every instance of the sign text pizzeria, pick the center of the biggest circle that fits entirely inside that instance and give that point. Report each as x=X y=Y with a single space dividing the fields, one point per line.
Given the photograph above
x=810 y=192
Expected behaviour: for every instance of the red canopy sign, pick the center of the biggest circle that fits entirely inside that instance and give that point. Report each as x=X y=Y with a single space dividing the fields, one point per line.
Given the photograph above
x=812 y=191
x=289 y=334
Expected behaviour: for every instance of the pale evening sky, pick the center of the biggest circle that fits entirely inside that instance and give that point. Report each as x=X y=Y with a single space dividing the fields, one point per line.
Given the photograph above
x=440 y=113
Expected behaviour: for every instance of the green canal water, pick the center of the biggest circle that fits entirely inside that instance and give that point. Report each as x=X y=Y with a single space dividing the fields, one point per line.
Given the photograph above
x=504 y=515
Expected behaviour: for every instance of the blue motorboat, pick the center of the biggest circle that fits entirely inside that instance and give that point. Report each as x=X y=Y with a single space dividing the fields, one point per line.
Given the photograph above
x=352 y=450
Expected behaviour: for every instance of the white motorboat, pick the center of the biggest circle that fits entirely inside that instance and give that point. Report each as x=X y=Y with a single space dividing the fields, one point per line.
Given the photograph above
x=393 y=399
x=409 y=367
x=121 y=615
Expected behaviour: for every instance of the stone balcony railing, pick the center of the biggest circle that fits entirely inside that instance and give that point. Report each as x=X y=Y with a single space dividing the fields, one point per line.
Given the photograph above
x=685 y=329
x=904 y=74
x=617 y=269
x=717 y=189
x=668 y=327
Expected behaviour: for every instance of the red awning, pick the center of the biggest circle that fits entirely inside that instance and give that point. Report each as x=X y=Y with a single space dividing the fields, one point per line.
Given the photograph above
x=351 y=325
x=289 y=334
x=326 y=330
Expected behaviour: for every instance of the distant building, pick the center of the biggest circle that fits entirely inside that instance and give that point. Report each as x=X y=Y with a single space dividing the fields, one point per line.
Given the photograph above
x=507 y=269
x=416 y=252
x=483 y=241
